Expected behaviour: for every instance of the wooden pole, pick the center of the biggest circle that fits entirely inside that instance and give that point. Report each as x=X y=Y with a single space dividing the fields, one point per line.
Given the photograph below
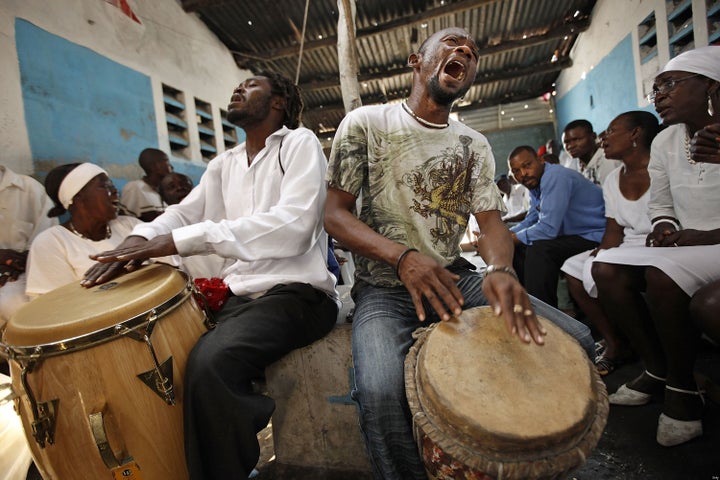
x=347 y=55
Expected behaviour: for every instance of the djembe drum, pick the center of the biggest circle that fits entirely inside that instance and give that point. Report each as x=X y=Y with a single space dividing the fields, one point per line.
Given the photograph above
x=485 y=405
x=99 y=376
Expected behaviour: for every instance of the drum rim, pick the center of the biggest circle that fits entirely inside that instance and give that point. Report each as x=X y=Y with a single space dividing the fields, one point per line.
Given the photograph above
x=97 y=337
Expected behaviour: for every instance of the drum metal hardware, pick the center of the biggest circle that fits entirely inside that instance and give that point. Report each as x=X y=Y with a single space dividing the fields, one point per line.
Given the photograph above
x=126 y=469
x=97 y=426
x=43 y=424
x=159 y=378
x=209 y=320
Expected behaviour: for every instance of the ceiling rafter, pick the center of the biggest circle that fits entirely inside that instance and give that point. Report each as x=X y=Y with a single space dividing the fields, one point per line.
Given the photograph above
x=498 y=75
x=492 y=76
x=570 y=27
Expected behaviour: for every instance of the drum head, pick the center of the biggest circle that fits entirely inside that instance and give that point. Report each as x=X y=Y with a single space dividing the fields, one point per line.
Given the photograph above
x=479 y=381
x=72 y=310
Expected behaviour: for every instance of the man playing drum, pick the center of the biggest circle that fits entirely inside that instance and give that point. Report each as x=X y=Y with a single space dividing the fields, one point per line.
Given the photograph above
x=261 y=205
x=420 y=176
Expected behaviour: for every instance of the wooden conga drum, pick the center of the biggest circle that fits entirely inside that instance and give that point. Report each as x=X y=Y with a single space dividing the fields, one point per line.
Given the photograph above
x=487 y=406
x=99 y=375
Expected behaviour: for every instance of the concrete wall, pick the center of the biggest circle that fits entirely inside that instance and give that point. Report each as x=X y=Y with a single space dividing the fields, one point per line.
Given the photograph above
x=84 y=82
x=607 y=77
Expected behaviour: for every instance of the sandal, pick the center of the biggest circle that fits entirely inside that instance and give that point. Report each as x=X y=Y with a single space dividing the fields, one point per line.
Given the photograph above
x=606 y=365
x=600 y=347
x=671 y=431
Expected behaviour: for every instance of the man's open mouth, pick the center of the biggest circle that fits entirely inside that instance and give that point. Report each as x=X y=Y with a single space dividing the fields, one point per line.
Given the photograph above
x=456 y=70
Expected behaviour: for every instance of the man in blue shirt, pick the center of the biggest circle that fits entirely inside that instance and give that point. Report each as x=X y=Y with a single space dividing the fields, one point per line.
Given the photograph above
x=566 y=217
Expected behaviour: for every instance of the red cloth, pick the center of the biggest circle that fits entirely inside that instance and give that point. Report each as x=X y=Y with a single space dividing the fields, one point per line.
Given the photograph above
x=212 y=292
x=125 y=8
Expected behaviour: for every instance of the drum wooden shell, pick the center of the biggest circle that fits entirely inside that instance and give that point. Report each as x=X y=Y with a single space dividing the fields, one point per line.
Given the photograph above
x=485 y=405
x=98 y=372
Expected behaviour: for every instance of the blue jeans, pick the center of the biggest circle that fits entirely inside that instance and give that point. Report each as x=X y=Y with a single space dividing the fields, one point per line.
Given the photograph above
x=383 y=323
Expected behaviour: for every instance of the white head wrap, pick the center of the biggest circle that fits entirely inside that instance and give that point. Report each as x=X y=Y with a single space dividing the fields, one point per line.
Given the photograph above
x=703 y=60
x=76 y=180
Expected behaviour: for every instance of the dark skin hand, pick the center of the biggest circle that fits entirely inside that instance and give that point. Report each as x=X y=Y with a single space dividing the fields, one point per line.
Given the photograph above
x=665 y=235
x=129 y=255
x=705 y=145
x=12 y=264
x=423 y=276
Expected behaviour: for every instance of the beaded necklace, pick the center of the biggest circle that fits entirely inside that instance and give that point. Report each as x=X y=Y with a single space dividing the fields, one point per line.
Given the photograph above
x=422 y=121
x=108 y=232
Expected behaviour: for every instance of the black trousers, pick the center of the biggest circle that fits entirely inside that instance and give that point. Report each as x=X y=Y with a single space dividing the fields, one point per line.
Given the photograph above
x=538 y=265
x=222 y=414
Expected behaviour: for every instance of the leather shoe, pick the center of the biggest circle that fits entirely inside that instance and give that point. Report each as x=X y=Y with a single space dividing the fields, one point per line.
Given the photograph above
x=671 y=432
x=629 y=397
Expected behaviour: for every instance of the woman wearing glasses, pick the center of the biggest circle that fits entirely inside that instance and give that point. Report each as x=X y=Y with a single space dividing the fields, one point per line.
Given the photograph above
x=705 y=304
x=59 y=255
x=680 y=255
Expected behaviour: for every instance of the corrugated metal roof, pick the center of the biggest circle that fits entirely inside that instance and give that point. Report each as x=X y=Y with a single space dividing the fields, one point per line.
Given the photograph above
x=524 y=45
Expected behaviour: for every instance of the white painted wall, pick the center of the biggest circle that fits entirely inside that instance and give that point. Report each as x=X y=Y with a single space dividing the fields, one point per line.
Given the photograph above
x=169 y=46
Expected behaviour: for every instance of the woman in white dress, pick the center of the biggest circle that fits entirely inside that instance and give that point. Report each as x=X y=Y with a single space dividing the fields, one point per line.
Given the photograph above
x=59 y=255
x=627 y=138
x=685 y=241
x=705 y=304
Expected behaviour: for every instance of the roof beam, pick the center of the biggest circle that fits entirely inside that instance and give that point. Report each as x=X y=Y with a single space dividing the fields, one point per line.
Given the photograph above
x=495 y=76
x=482 y=77
x=570 y=27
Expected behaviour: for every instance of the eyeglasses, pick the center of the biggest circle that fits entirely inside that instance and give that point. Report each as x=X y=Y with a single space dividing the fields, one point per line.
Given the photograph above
x=666 y=87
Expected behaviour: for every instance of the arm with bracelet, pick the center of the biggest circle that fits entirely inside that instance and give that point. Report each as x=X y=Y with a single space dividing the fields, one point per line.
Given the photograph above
x=500 y=285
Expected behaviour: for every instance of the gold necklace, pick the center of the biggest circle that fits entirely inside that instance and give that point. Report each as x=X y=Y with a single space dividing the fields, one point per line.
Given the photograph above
x=422 y=121
x=108 y=232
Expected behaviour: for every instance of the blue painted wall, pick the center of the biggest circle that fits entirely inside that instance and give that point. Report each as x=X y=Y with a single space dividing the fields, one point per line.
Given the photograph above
x=81 y=106
x=607 y=91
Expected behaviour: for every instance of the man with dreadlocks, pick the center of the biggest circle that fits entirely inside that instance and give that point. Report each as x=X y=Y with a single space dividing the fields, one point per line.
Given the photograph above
x=259 y=204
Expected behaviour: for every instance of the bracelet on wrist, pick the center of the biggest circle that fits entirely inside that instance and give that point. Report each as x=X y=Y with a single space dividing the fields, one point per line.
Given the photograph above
x=400 y=259
x=669 y=220
x=490 y=269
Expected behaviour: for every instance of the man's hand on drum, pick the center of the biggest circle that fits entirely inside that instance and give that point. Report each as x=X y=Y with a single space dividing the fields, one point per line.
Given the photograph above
x=12 y=264
x=508 y=298
x=424 y=277
x=129 y=255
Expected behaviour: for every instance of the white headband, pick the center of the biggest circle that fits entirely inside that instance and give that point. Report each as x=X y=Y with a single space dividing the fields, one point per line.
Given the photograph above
x=76 y=180
x=703 y=60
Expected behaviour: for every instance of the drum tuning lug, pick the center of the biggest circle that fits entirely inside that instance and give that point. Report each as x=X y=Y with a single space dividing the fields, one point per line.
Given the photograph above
x=160 y=380
x=43 y=428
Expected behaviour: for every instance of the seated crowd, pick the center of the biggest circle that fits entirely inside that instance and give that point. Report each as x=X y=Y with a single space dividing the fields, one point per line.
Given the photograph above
x=630 y=219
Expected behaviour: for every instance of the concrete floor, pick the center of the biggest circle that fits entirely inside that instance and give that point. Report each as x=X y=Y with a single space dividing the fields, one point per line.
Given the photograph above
x=626 y=451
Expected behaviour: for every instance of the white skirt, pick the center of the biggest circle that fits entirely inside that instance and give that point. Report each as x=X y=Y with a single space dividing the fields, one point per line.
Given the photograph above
x=689 y=267
x=580 y=267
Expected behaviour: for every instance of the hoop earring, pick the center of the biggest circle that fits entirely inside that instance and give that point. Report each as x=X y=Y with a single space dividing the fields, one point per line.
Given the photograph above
x=711 y=110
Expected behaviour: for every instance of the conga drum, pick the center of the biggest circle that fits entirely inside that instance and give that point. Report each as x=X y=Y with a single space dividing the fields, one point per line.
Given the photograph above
x=99 y=375
x=487 y=406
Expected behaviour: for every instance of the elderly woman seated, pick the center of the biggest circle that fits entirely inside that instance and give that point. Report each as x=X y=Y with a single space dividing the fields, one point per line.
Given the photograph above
x=59 y=255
